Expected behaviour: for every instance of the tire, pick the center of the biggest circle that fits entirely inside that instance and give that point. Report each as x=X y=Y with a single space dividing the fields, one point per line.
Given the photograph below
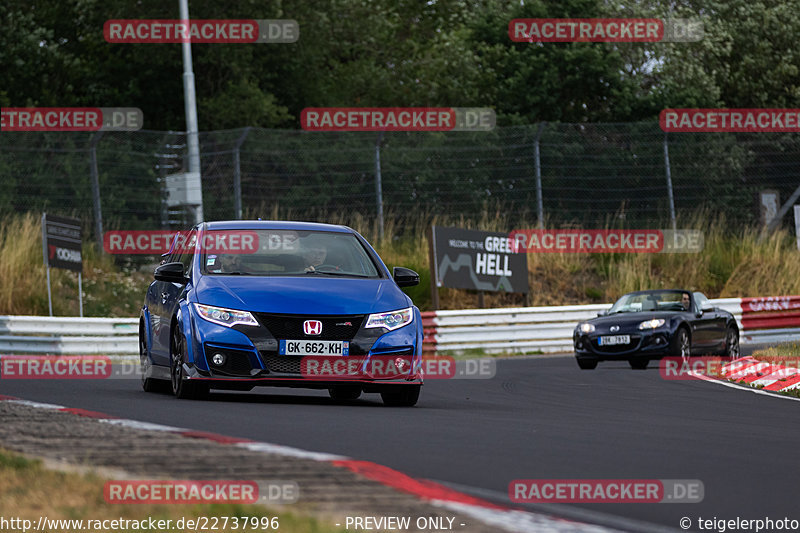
x=681 y=344
x=638 y=364
x=345 y=393
x=732 y=344
x=586 y=363
x=148 y=384
x=401 y=396
x=182 y=388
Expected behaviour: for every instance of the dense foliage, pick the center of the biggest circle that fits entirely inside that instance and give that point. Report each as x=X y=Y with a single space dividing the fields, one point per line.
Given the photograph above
x=401 y=53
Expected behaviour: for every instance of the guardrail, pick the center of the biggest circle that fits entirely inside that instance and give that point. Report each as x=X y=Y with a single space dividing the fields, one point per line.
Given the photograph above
x=769 y=319
x=549 y=329
x=68 y=335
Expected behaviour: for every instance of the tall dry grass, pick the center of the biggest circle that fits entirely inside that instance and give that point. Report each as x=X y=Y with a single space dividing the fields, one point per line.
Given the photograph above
x=108 y=290
x=22 y=272
x=741 y=263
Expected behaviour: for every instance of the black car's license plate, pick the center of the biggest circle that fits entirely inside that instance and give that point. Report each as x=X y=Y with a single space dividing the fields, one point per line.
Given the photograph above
x=612 y=340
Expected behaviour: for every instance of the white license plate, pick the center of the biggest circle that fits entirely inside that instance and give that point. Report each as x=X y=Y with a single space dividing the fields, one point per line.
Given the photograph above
x=611 y=340
x=309 y=347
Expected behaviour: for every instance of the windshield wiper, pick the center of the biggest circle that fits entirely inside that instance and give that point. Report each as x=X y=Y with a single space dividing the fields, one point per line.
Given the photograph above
x=327 y=273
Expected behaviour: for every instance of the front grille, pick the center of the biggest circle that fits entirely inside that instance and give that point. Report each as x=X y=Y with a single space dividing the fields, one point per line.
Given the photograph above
x=283 y=364
x=334 y=328
x=237 y=362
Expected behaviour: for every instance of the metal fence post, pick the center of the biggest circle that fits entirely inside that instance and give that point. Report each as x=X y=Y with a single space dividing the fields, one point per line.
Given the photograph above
x=237 y=175
x=192 y=133
x=98 y=213
x=379 y=185
x=538 y=163
x=669 y=184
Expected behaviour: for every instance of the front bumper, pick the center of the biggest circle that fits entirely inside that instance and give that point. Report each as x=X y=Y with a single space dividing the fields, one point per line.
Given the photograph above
x=251 y=356
x=652 y=344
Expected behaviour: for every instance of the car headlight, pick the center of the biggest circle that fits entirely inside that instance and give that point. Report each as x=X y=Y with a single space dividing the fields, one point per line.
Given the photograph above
x=225 y=317
x=586 y=327
x=652 y=324
x=391 y=320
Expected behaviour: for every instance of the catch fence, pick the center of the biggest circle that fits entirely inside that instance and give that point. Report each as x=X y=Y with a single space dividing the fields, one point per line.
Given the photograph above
x=589 y=175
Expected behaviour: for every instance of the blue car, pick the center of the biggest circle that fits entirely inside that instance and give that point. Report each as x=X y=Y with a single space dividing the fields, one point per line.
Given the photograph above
x=241 y=304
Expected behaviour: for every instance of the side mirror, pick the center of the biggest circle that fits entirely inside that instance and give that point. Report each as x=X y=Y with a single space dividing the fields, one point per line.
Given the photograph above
x=171 y=272
x=602 y=313
x=405 y=277
x=707 y=306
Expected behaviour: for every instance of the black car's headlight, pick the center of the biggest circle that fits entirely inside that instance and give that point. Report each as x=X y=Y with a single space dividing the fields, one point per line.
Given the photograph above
x=223 y=316
x=391 y=320
x=652 y=324
x=585 y=327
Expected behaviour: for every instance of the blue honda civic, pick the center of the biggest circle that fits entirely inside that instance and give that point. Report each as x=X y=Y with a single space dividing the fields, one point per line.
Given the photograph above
x=241 y=304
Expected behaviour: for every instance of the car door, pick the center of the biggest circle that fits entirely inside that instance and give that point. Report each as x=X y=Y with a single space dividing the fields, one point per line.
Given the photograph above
x=717 y=322
x=704 y=326
x=166 y=297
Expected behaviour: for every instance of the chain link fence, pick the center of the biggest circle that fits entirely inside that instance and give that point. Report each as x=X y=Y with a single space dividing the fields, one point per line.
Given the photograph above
x=590 y=175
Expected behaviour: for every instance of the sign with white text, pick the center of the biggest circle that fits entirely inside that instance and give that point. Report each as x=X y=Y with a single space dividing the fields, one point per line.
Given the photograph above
x=479 y=260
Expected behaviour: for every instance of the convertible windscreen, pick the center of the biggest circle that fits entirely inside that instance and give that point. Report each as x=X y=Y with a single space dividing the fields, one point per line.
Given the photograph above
x=296 y=253
x=652 y=301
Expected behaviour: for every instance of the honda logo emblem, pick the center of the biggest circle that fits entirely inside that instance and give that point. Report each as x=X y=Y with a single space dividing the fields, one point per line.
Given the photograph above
x=312 y=327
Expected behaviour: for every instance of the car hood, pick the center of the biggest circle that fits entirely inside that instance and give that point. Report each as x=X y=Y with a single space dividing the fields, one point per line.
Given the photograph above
x=302 y=294
x=631 y=319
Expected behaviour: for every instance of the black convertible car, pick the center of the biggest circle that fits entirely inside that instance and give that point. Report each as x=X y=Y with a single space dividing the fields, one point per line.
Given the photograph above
x=646 y=325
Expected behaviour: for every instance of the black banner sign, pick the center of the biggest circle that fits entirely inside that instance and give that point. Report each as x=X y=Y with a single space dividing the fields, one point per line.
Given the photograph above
x=62 y=242
x=480 y=260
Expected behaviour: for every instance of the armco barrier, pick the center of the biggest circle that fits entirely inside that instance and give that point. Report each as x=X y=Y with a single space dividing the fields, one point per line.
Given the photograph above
x=549 y=329
x=770 y=319
x=68 y=335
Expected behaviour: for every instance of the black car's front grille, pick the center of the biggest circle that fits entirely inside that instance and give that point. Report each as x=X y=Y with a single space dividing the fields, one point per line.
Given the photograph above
x=334 y=328
x=284 y=364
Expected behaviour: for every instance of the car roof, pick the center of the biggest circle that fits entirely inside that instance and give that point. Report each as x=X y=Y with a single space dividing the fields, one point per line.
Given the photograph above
x=275 y=224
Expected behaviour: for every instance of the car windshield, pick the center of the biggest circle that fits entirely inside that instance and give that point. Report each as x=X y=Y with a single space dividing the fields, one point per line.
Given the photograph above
x=650 y=301
x=294 y=253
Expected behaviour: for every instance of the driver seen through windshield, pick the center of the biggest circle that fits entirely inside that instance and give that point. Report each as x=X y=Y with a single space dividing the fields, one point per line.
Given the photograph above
x=653 y=301
x=289 y=252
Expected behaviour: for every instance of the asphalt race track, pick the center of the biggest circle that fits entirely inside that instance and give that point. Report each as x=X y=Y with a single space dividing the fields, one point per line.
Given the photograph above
x=539 y=417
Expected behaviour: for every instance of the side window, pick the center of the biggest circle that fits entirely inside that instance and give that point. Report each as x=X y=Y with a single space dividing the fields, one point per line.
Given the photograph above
x=187 y=251
x=699 y=300
x=173 y=254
